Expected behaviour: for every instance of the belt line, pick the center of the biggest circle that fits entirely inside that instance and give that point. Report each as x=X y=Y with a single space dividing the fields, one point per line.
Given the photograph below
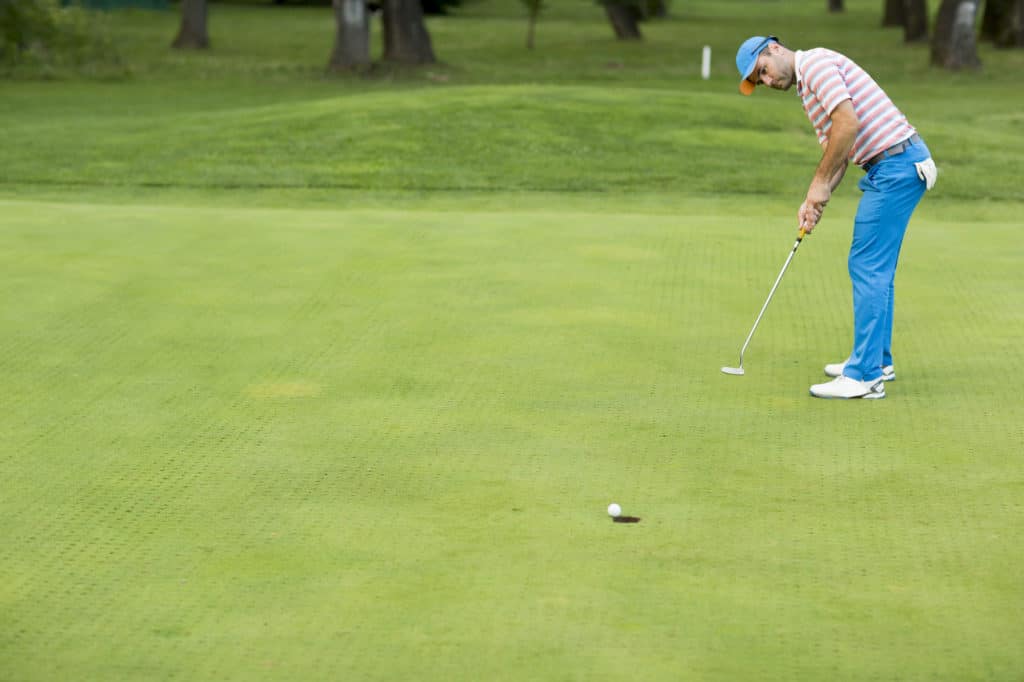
x=892 y=151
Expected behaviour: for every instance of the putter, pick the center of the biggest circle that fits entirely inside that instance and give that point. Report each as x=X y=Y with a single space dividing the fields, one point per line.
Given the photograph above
x=738 y=371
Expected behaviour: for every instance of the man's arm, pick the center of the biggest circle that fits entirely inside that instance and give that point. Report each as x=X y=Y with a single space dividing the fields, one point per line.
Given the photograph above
x=838 y=177
x=841 y=136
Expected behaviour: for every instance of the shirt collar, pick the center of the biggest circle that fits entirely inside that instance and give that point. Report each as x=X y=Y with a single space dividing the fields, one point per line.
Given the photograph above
x=799 y=72
x=799 y=67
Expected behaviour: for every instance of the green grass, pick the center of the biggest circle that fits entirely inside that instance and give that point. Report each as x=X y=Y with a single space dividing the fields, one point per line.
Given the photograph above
x=319 y=378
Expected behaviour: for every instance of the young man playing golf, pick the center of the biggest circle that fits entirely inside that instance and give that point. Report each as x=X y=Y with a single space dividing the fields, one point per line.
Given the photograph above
x=856 y=122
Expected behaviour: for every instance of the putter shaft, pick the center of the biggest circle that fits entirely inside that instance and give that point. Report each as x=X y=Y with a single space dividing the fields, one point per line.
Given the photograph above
x=796 y=245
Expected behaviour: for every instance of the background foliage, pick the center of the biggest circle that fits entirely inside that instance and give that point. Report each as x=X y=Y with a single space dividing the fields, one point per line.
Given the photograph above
x=46 y=38
x=628 y=118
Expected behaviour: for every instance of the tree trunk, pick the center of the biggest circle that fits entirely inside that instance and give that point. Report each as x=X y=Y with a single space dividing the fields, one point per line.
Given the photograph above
x=192 y=34
x=990 y=19
x=893 y=13
x=534 y=11
x=915 y=28
x=953 y=45
x=406 y=40
x=352 y=37
x=835 y=5
x=654 y=9
x=1003 y=23
x=1013 y=35
x=624 y=19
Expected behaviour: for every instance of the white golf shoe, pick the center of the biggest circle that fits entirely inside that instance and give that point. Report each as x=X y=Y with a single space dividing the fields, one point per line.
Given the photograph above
x=836 y=370
x=846 y=388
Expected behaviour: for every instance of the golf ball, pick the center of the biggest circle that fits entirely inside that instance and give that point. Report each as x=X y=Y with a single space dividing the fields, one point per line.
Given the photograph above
x=614 y=510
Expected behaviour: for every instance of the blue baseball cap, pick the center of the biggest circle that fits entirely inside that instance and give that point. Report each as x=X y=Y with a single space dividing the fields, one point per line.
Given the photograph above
x=747 y=56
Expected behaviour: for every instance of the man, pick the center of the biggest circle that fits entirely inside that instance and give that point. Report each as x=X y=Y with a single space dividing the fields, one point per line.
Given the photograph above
x=855 y=122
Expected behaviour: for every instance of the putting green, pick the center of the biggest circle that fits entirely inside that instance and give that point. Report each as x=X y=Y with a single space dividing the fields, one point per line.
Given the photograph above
x=285 y=443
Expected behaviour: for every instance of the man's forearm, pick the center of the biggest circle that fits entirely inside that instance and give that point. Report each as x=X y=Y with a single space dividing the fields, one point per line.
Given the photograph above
x=833 y=162
x=841 y=136
x=838 y=177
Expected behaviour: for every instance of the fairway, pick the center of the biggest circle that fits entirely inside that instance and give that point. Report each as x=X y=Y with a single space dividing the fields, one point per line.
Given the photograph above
x=337 y=381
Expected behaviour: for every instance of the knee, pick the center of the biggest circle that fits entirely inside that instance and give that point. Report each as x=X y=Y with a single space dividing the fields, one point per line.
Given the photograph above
x=869 y=275
x=877 y=267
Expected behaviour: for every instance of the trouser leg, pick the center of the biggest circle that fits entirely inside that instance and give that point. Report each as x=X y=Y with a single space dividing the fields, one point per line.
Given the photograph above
x=892 y=191
x=887 y=325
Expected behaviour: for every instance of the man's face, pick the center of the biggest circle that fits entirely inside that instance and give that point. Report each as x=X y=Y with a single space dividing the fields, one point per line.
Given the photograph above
x=773 y=69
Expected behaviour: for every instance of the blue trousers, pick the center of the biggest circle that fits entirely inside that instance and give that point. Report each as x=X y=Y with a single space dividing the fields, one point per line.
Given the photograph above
x=892 y=191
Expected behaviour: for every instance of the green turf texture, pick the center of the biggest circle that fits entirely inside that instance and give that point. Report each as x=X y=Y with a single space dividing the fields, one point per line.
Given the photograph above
x=330 y=379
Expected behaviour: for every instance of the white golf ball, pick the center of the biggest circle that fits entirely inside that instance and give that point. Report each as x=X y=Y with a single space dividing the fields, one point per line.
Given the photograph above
x=614 y=510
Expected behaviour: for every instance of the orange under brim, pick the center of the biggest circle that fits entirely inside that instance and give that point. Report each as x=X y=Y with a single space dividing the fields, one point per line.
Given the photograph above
x=746 y=87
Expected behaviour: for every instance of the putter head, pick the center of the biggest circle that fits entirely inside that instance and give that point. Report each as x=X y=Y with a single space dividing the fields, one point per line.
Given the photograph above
x=735 y=371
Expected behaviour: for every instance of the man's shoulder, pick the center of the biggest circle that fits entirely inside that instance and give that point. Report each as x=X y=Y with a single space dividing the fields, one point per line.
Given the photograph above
x=813 y=65
x=818 y=53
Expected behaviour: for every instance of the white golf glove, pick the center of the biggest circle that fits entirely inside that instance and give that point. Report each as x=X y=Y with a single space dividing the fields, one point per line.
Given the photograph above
x=927 y=171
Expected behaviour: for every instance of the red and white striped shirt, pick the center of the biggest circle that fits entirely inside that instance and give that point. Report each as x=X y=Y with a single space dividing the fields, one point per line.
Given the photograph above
x=825 y=78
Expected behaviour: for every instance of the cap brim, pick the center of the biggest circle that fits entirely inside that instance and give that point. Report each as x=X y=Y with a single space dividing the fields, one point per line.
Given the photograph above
x=746 y=87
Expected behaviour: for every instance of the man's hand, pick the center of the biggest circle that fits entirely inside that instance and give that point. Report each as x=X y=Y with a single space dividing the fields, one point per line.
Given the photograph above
x=818 y=194
x=807 y=217
x=810 y=211
x=814 y=204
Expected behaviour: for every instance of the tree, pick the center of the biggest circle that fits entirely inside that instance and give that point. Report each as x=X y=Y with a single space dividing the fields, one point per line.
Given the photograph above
x=48 y=37
x=653 y=9
x=438 y=7
x=192 y=34
x=352 y=37
x=835 y=5
x=912 y=15
x=1003 y=23
x=953 y=44
x=915 y=17
x=534 y=7
x=624 y=17
x=893 y=13
x=23 y=22
x=406 y=40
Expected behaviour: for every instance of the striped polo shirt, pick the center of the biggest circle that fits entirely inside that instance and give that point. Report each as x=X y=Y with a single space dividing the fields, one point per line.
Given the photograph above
x=825 y=78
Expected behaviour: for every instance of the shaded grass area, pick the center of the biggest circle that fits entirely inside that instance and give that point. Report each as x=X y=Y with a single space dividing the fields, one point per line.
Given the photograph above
x=475 y=138
x=484 y=138
x=581 y=114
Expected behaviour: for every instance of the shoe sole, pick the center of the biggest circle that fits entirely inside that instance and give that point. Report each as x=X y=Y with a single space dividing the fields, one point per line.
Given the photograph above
x=866 y=396
x=884 y=377
x=871 y=394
